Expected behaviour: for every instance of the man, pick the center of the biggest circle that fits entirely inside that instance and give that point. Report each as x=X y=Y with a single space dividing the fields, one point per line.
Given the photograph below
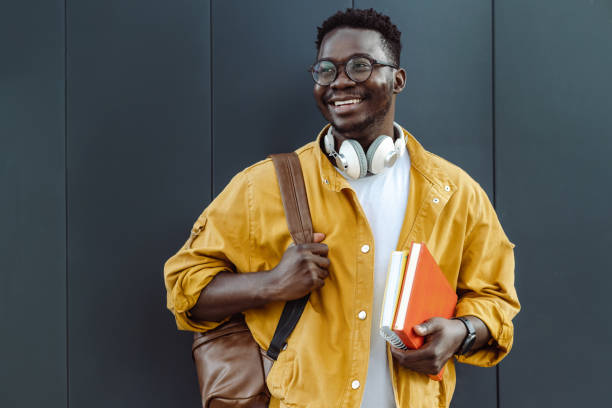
x=240 y=258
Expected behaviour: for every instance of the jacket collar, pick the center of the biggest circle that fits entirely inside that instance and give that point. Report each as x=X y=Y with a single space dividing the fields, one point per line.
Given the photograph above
x=420 y=162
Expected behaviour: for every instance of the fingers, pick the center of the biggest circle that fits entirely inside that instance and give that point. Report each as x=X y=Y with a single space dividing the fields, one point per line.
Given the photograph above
x=426 y=360
x=440 y=344
x=315 y=248
x=411 y=356
x=318 y=237
x=318 y=283
x=318 y=270
x=320 y=261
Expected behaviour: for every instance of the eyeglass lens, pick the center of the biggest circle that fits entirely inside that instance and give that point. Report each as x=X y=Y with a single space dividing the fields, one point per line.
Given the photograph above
x=358 y=69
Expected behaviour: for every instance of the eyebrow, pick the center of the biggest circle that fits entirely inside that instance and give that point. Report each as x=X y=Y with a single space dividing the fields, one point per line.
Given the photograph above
x=359 y=54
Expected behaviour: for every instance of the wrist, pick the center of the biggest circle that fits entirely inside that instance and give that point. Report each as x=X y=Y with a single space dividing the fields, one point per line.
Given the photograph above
x=462 y=332
x=268 y=290
x=469 y=339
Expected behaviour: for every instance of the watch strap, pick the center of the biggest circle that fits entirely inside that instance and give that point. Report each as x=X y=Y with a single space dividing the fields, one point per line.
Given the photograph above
x=470 y=338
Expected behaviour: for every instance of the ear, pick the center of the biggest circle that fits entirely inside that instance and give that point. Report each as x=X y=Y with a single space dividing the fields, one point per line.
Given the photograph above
x=399 y=81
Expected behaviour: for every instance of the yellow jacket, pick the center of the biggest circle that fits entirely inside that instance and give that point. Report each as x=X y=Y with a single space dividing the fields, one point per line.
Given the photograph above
x=244 y=230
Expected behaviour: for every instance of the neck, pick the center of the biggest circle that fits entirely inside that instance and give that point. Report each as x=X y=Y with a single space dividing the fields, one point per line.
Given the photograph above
x=366 y=136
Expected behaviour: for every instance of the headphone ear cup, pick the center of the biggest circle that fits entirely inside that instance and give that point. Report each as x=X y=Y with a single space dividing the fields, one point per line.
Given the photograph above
x=400 y=144
x=357 y=164
x=328 y=142
x=378 y=152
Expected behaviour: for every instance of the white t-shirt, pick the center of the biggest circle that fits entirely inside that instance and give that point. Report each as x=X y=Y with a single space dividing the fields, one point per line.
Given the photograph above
x=383 y=198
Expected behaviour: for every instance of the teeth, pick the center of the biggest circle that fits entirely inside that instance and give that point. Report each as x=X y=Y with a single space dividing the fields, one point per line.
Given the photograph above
x=340 y=103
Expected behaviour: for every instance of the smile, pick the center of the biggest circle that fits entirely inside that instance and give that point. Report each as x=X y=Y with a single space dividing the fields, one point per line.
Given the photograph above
x=345 y=106
x=347 y=102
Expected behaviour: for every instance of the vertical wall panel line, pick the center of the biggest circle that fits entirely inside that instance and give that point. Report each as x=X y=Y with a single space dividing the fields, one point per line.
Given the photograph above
x=493 y=126
x=493 y=97
x=66 y=195
x=212 y=104
x=497 y=378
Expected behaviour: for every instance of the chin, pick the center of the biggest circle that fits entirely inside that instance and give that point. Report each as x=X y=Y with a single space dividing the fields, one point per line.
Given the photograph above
x=350 y=126
x=358 y=122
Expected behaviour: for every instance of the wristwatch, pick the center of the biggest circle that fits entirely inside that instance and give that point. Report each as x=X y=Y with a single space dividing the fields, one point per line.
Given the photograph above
x=468 y=342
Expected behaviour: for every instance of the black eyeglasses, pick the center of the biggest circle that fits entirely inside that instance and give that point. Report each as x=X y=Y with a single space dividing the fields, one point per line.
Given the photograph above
x=358 y=69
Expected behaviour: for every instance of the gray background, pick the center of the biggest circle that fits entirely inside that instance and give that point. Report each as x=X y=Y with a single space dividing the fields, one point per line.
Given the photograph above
x=120 y=120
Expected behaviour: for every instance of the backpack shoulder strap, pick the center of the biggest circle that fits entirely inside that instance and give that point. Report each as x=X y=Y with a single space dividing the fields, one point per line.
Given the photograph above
x=293 y=193
x=297 y=213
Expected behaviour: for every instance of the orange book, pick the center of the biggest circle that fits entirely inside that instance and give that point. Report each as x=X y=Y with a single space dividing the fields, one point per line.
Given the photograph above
x=425 y=294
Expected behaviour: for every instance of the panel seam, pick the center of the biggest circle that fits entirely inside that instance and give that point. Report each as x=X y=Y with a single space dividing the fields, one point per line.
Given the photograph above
x=66 y=199
x=493 y=124
x=212 y=155
x=494 y=149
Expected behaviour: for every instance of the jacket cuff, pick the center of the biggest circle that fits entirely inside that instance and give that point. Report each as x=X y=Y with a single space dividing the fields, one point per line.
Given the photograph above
x=184 y=322
x=185 y=296
x=499 y=325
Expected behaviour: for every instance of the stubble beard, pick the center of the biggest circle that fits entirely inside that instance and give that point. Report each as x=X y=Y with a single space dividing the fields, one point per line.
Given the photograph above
x=372 y=121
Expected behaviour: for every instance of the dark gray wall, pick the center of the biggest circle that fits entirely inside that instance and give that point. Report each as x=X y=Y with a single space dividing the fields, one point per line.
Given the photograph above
x=553 y=149
x=138 y=141
x=447 y=55
x=32 y=205
x=262 y=94
x=120 y=121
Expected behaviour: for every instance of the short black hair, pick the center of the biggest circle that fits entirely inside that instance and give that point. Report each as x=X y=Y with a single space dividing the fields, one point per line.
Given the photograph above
x=368 y=19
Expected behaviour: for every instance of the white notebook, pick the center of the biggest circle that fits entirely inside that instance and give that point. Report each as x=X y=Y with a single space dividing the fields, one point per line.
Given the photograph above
x=397 y=264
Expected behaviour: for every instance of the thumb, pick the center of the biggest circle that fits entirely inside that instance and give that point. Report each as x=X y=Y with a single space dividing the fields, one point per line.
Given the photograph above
x=427 y=327
x=318 y=237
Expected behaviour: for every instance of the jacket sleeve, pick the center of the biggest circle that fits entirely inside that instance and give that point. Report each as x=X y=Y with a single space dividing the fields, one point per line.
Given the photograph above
x=219 y=240
x=486 y=283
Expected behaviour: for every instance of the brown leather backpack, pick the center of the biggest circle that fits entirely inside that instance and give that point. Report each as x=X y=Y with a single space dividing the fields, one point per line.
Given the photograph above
x=231 y=367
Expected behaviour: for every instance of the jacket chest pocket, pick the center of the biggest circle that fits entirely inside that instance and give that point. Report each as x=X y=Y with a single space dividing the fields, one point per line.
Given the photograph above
x=426 y=218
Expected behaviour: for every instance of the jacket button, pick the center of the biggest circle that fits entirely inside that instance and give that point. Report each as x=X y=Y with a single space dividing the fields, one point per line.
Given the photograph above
x=362 y=315
x=436 y=200
x=355 y=384
x=365 y=248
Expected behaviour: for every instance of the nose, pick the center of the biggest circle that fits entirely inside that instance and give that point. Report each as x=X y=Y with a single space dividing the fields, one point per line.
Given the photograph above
x=342 y=81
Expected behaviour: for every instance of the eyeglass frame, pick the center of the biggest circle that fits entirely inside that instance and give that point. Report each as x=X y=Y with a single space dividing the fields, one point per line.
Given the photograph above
x=373 y=63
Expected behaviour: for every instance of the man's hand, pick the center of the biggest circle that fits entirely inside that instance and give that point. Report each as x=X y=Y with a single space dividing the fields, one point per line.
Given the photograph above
x=443 y=339
x=302 y=269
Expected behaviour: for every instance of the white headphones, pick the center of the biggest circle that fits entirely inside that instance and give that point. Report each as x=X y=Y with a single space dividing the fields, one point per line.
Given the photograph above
x=351 y=158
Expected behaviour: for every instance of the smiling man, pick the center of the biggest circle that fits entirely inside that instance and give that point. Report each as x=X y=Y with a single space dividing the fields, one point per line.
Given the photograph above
x=372 y=188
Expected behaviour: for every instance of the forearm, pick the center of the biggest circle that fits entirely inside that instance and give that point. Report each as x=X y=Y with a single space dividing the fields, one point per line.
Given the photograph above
x=302 y=269
x=482 y=332
x=230 y=293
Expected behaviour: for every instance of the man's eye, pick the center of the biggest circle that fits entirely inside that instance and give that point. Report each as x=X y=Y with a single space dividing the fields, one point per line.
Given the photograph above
x=361 y=65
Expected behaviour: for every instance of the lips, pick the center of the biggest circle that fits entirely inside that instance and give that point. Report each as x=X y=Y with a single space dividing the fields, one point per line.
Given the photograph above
x=340 y=107
x=332 y=97
x=344 y=103
x=347 y=102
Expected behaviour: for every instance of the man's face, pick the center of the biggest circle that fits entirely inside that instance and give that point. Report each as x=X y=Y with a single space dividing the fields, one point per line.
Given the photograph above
x=375 y=96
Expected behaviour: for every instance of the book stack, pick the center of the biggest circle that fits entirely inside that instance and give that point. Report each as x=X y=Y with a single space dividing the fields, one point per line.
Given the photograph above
x=416 y=290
